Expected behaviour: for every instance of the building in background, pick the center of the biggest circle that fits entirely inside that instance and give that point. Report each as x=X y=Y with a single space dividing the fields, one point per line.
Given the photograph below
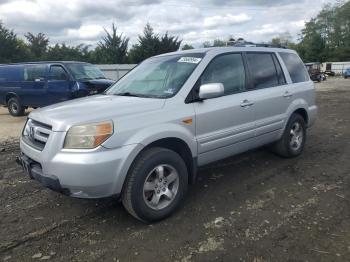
x=335 y=68
x=115 y=71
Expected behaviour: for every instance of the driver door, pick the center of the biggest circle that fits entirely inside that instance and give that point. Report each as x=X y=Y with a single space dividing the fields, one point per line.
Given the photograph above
x=58 y=85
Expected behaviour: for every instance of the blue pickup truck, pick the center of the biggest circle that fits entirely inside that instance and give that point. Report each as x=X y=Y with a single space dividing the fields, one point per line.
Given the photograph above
x=44 y=83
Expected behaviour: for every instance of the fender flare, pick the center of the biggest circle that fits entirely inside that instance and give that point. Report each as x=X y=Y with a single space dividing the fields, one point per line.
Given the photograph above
x=294 y=106
x=9 y=95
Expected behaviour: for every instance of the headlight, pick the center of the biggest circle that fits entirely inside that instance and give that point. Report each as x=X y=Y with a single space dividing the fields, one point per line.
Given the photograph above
x=88 y=136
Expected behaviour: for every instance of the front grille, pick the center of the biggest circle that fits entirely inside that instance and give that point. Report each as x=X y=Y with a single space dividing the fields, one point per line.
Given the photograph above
x=36 y=134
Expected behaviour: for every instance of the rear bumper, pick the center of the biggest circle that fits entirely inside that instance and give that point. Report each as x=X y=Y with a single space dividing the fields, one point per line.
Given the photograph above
x=312 y=115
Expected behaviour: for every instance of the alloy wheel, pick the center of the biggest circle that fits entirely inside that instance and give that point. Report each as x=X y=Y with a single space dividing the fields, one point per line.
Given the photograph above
x=161 y=186
x=296 y=136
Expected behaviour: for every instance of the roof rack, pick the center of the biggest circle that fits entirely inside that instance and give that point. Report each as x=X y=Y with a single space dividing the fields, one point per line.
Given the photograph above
x=259 y=45
x=251 y=44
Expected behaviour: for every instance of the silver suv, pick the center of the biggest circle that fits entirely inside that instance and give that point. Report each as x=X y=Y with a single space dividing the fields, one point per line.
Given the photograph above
x=145 y=137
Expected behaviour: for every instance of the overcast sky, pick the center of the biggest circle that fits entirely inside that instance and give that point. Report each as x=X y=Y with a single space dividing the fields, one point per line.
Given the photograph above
x=82 y=21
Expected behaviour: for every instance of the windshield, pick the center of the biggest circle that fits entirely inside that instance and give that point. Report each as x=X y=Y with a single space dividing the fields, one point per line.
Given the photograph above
x=82 y=71
x=159 y=77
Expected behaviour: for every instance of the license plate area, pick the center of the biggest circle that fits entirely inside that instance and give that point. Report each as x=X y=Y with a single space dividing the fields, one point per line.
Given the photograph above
x=26 y=165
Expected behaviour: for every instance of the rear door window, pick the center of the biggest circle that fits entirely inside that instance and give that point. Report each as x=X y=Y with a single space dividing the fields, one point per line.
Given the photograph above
x=262 y=70
x=228 y=70
x=34 y=73
x=295 y=66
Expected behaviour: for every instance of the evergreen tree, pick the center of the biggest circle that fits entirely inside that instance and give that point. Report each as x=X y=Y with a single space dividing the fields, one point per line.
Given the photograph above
x=62 y=52
x=112 y=49
x=150 y=44
x=187 y=47
x=37 y=45
x=12 y=49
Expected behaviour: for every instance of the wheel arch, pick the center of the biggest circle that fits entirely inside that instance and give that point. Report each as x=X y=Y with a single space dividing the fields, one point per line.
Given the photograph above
x=9 y=95
x=180 y=147
x=299 y=106
x=303 y=113
x=173 y=143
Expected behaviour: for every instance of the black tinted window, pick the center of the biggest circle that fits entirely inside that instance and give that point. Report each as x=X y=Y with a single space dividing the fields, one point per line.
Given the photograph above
x=263 y=70
x=57 y=73
x=34 y=72
x=228 y=70
x=295 y=67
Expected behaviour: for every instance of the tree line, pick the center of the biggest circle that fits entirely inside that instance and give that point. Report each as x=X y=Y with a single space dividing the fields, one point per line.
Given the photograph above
x=113 y=48
x=325 y=37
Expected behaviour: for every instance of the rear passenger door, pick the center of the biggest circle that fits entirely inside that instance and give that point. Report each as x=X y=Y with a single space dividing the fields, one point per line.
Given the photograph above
x=224 y=125
x=268 y=91
x=33 y=89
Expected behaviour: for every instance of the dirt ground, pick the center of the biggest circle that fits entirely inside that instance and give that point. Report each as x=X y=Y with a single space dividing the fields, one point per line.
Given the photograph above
x=11 y=127
x=252 y=207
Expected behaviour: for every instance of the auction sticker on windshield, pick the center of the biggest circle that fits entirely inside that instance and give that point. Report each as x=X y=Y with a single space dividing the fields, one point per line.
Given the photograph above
x=192 y=60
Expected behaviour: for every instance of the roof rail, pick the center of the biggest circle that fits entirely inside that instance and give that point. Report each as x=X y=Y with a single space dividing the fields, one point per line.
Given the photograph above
x=251 y=44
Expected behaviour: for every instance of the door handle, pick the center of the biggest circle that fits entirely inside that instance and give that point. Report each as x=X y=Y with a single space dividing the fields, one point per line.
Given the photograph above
x=287 y=94
x=246 y=103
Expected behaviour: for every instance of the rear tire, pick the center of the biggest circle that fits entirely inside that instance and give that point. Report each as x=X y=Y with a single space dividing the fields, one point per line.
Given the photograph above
x=293 y=139
x=156 y=184
x=14 y=107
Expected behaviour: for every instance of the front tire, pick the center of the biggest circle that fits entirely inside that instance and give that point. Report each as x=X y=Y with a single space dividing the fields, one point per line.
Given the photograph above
x=293 y=139
x=156 y=184
x=14 y=107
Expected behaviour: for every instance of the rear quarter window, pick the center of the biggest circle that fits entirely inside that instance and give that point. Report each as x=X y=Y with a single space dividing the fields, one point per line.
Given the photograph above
x=11 y=73
x=295 y=67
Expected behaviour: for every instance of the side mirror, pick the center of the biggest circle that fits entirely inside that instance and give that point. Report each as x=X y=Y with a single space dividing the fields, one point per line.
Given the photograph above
x=211 y=90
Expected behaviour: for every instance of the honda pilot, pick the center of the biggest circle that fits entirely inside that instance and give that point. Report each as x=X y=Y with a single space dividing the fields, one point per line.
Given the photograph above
x=145 y=137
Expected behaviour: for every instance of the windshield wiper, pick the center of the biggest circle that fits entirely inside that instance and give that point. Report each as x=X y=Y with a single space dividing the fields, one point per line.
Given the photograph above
x=137 y=95
x=129 y=94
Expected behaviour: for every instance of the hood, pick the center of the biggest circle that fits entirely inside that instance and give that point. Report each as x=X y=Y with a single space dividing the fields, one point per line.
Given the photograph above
x=96 y=86
x=92 y=109
x=99 y=82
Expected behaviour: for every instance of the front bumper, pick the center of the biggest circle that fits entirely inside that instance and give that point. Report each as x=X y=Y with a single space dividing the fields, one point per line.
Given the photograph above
x=85 y=174
x=34 y=171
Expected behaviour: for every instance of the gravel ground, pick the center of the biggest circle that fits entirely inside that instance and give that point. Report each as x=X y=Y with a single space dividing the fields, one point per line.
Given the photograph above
x=252 y=207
